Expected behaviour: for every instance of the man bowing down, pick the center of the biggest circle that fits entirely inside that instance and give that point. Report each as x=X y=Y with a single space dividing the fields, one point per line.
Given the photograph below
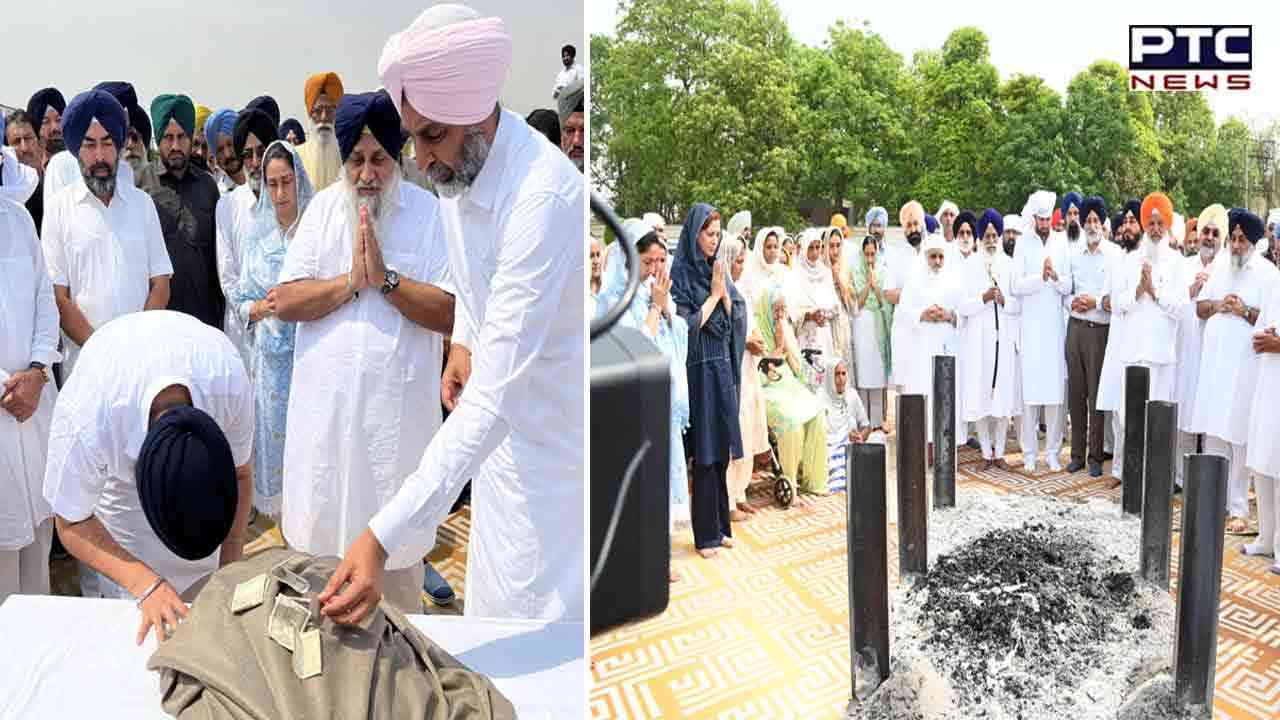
x=363 y=275
x=513 y=207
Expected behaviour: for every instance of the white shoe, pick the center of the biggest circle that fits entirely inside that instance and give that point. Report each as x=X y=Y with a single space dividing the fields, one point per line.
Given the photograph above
x=1055 y=465
x=1030 y=467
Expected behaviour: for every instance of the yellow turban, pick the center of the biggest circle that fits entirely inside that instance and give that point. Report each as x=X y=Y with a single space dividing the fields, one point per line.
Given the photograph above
x=1215 y=214
x=838 y=221
x=1156 y=201
x=328 y=83
x=202 y=114
x=909 y=211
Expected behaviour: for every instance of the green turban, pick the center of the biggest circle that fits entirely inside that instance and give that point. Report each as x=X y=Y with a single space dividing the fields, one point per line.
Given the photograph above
x=173 y=107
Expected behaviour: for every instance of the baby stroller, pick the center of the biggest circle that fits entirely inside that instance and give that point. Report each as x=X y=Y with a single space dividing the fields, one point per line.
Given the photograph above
x=783 y=490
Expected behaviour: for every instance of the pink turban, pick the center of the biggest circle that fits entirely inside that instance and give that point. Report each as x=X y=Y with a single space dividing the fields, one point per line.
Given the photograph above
x=450 y=64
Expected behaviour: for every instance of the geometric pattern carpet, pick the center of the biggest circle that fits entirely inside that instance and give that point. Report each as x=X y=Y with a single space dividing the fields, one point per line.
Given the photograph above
x=762 y=630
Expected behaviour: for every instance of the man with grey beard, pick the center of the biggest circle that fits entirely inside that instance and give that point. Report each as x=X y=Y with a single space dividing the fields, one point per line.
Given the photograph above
x=1087 y=330
x=572 y=124
x=319 y=153
x=364 y=278
x=93 y=284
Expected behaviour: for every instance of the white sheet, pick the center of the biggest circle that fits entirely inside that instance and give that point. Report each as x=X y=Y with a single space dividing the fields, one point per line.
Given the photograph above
x=67 y=657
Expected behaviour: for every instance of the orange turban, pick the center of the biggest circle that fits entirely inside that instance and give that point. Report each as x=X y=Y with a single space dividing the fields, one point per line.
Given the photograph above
x=328 y=83
x=1156 y=201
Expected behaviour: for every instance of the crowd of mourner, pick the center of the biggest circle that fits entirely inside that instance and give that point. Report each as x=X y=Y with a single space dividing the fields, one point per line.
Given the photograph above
x=790 y=343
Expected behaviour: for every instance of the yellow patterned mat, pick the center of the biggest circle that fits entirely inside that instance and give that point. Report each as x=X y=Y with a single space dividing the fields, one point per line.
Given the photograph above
x=762 y=630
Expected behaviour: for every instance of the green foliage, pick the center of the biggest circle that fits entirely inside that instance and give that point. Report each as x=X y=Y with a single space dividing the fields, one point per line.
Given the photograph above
x=712 y=100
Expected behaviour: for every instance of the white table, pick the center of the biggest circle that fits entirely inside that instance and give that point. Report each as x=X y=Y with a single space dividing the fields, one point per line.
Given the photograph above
x=66 y=657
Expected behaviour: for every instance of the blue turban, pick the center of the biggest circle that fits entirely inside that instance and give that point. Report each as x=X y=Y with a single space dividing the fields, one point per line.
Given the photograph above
x=90 y=105
x=990 y=216
x=222 y=122
x=256 y=122
x=123 y=92
x=1072 y=198
x=1096 y=205
x=268 y=105
x=187 y=482
x=40 y=103
x=373 y=110
x=930 y=223
x=878 y=213
x=296 y=127
x=1248 y=222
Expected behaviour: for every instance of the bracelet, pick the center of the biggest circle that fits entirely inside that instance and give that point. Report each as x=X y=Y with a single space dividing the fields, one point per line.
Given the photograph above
x=146 y=594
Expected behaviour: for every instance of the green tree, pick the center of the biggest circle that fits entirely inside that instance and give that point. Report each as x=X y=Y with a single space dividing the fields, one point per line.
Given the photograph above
x=1186 y=133
x=1031 y=153
x=1110 y=134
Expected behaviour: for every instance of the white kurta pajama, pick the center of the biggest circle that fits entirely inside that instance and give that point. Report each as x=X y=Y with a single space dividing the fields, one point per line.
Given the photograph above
x=233 y=218
x=101 y=418
x=1228 y=372
x=1262 y=456
x=1042 y=346
x=366 y=380
x=517 y=259
x=28 y=333
x=929 y=338
x=989 y=383
x=1190 y=346
x=901 y=262
x=105 y=255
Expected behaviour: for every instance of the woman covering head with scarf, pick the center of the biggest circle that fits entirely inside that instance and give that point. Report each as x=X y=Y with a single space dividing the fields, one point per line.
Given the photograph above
x=871 y=324
x=751 y=412
x=842 y=283
x=285 y=194
x=788 y=250
x=847 y=421
x=653 y=313
x=811 y=296
x=794 y=412
x=716 y=314
x=767 y=266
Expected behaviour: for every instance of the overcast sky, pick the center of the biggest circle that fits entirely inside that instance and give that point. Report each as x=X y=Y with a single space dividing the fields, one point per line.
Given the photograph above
x=227 y=52
x=1052 y=40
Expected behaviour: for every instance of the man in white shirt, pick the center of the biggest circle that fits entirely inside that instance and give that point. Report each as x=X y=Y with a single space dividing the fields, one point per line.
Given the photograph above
x=513 y=209
x=930 y=302
x=571 y=74
x=1041 y=278
x=148 y=471
x=1087 y=330
x=1263 y=454
x=1230 y=303
x=901 y=260
x=362 y=277
x=1211 y=230
x=28 y=348
x=63 y=170
x=102 y=237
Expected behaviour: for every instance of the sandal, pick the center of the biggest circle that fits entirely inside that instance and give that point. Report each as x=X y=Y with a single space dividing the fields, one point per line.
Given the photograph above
x=1239 y=526
x=726 y=542
x=707 y=553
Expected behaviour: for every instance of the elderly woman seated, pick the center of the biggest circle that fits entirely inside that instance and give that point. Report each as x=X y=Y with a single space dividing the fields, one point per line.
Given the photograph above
x=795 y=414
x=847 y=422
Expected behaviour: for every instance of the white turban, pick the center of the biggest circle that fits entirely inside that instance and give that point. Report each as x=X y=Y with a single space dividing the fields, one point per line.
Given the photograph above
x=947 y=205
x=654 y=220
x=450 y=64
x=933 y=241
x=739 y=222
x=636 y=228
x=1179 y=228
x=1273 y=217
x=1013 y=222
x=1041 y=204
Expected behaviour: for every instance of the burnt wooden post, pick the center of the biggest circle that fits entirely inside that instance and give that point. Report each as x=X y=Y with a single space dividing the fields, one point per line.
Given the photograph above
x=1137 y=388
x=1157 y=491
x=868 y=569
x=913 y=505
x=944 y=431
x=1195 y=646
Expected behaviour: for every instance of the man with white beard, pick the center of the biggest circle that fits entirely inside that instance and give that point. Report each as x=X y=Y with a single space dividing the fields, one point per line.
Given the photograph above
x=930 y=302
x=1211 y=228
x=901 y=260
x=1040 y=281
x=988 y=383
x=1087 y=331
x=319 y=153
x=363 y=277
x=1230 y=303
x=1147 y=290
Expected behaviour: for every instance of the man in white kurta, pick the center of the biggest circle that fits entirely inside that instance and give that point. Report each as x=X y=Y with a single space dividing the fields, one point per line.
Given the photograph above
x=514 y=232
x=1262 y=457
x=1211 y=229
x=28 y=348
x=930 y=302
x=1040 y=281
x=104 y=247
x=901 y=261
x=987 y=341
x=367 y=360
x=1230 y=304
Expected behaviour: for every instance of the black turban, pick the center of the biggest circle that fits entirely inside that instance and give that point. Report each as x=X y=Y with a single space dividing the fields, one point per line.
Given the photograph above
x=373 y=110
x=40 y=103
x=268 y=105
x=187 y=482
x=123 y=92
x=961 y=219
x=1096 y=205
x=1134 y=207
x=139 y=121
x=256 y=122
x=546 y=122
x=296 y=127
x=84 y=109
x=1248 y=222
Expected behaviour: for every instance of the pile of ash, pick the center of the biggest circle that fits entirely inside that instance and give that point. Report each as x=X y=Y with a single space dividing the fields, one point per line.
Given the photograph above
x=1030 y=610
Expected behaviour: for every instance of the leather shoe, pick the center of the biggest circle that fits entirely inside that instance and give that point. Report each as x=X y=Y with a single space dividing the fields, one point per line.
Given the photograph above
x=1075 y=466
x=1095 y=470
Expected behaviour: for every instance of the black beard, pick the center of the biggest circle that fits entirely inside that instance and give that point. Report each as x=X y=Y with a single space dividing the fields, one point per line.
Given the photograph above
x=914 y=238
x=200 y=162
x=55 y=145
x=1009 y=246
x=1073 y=232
